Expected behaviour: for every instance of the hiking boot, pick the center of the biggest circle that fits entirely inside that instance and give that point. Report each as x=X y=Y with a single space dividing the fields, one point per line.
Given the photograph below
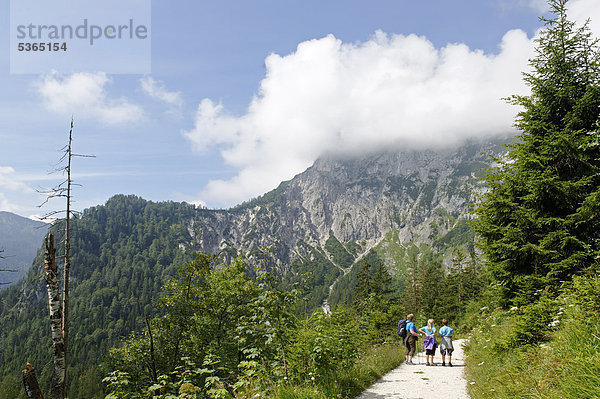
x=443 y=364
x=428 y=364
x=449 y=364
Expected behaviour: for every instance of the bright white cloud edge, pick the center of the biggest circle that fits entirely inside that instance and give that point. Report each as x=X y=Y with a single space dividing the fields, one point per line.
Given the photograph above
x=330 y=96
x=392 y=90
x=85 y=95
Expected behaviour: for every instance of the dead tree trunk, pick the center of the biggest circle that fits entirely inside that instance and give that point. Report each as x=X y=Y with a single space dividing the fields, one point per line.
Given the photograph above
x=32 y=388
x=59 y=307
x=57 y=387
x=67 y=267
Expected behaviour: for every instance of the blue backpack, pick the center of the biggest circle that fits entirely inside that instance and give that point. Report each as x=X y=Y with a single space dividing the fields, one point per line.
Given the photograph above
x=402 y=328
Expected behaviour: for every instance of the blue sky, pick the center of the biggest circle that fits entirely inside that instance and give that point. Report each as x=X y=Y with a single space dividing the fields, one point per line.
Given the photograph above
x=245 y=94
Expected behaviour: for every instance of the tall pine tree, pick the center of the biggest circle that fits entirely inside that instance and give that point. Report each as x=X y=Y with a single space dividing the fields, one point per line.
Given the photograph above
x=540 y=223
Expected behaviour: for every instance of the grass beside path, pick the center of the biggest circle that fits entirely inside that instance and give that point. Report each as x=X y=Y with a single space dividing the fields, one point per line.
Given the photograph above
x=349 y=383
x=564 y=363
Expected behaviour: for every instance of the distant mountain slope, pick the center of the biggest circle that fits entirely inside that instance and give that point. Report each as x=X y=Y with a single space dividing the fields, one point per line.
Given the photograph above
x=20 y=238
x=314 y=228
x=327 y=218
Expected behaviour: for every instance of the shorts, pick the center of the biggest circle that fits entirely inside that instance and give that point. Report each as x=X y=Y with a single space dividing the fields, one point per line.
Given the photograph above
x=444 y=351
x=430 y=352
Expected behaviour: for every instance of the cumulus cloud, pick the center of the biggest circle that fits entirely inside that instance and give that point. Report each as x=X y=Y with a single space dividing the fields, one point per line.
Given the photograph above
x=329 y=96
x=390 y=91
x=158 y=91
x=581 y=10
x=84 y=94
x=578 y=10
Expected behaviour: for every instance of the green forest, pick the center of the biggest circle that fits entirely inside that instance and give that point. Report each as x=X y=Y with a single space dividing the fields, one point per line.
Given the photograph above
x=129 y=277
x=151 y=320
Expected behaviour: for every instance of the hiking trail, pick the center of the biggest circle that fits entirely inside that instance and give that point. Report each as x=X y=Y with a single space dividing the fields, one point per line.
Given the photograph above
x=421 y=381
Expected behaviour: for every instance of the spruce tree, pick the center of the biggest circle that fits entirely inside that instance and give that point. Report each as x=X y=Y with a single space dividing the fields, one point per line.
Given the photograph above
x=539 y=223
x=362 y=288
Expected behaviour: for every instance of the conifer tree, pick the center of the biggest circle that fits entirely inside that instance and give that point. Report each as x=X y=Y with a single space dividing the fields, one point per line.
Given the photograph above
x=362 y=288
x=539 y=223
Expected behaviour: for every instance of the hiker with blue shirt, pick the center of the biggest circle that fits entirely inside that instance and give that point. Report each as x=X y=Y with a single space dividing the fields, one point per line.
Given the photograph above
x=430 y=343
x=411 y=338
x=446 y=348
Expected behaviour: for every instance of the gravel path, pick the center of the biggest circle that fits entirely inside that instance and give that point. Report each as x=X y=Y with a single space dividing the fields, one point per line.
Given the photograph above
x=422 y=382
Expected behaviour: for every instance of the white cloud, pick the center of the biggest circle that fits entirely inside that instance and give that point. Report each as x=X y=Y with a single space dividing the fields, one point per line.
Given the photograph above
x=581 y=10
x=84 y=95
x=577 y=10
x=158 y=91
x=10 y=181
x=12 y=190
x=392 y=90
x=329 y=96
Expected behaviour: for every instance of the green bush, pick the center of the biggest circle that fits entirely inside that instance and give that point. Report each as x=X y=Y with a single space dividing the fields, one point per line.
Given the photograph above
x=563 y=361
x=532 y=324
x=325 y=343
x=586 y=293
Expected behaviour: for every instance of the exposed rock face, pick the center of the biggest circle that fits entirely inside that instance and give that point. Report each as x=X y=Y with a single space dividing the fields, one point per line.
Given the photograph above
x=420 y=195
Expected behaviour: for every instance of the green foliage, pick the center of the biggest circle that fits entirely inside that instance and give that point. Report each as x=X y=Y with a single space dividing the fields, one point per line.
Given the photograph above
x=531 y=325
x=326 y=343
x=313 y=273
x=345 y=287
x=375 y=300
x=460 y=235
x=338 y=253
x=585 y=293
x=239 y=329
x=347 y=382
x=121 y=255
x=537 y=220
x=562 y=362
x=272 y=198
x=249 y=342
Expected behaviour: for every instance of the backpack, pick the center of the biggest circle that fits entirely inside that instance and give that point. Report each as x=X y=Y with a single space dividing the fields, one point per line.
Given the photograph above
x=402 y=328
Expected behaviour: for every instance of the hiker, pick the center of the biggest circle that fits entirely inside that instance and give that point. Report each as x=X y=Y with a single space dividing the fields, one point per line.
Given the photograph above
x=446 y=348
x=411 y=338
x=429 y=343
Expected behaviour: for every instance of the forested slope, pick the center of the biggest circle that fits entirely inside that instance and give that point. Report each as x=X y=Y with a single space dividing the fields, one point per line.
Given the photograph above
x=124 y=252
